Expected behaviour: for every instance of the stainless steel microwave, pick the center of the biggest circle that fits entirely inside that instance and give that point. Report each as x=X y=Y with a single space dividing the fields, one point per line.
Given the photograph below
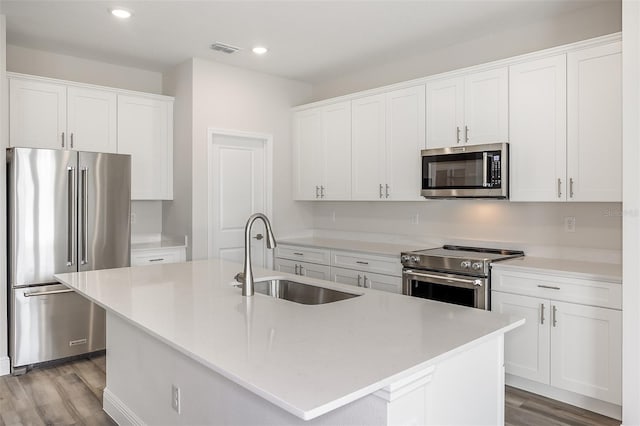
x=474 y=171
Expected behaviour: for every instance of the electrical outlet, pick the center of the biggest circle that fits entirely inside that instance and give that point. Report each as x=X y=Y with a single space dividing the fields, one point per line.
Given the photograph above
x=569 y=224
x=133 y=218
x=175 y=398
x=415 y=219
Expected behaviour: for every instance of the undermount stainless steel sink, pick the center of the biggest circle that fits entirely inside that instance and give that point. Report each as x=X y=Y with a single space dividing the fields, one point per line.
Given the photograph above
x=305 y=294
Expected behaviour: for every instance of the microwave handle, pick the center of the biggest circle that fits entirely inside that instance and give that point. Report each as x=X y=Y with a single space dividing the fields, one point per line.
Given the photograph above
x=485 y=169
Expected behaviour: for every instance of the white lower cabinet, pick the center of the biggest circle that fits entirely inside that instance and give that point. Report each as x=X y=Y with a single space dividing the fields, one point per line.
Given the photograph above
x=568 y=346
x=306 y=269
x=367 y=280
x=526 y=349
x=586 y=350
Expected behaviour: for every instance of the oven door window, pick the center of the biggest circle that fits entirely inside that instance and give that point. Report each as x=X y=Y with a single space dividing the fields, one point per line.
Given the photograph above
x=444 y=293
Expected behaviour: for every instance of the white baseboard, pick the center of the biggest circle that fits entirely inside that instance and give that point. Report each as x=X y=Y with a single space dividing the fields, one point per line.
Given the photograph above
x=601 y=407
x=118 y=411
x=5 y=365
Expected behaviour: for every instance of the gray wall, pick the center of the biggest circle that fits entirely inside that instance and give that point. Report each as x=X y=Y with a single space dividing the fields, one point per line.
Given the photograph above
x=227 y=97
x=604 y=18
x=176 y=214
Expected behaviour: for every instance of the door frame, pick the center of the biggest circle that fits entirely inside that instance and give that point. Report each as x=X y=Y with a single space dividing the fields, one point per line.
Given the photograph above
x=267 y=141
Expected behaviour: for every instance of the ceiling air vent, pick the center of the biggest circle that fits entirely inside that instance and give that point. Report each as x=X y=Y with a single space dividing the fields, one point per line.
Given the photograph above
x=225 y=48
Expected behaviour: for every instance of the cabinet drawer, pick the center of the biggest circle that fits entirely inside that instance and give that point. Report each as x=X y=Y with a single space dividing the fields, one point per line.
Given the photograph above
x=149 y=257
x=555 y=287
x=388 y=265
x=312 y=270
x=306 y=254
x=382 y=282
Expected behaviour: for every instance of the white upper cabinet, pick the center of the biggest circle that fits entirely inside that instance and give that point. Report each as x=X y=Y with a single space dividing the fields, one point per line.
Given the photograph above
x=566 y=130
x=368 y=148
x=58 y=116
x=388 y=134
x=37 y=114
x=308 y=154
x=322 y=153
x=538 y=124
x=91 y=119
x=470 y=109
x=594 y=146
x=445 y=112
x=145 y=131
x=405 y=138
x=486 y=106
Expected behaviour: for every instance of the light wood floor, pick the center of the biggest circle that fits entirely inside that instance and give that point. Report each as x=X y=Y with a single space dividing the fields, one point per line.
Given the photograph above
x=71 y=394
x=63 y=394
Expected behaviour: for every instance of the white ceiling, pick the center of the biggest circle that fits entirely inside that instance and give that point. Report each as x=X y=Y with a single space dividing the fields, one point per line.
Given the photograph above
x=311 y=41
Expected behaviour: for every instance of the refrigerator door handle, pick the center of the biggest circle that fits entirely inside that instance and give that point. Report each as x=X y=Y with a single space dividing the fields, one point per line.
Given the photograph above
x=85 y=222
x=71 y=221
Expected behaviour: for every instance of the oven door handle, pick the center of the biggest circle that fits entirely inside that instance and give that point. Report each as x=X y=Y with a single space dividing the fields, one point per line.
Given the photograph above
x=443 y=279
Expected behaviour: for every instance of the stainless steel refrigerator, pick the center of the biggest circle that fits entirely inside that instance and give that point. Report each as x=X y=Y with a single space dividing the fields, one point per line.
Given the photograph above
x=67 y=211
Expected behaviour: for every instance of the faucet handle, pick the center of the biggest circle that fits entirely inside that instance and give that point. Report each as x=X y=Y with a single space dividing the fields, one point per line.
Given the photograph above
x=239 y=277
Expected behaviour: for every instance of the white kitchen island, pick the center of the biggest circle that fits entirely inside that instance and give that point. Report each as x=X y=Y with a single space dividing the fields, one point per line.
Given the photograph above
x=377 y=359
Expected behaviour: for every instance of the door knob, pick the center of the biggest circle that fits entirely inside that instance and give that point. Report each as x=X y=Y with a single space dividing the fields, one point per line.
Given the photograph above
x=259 y=237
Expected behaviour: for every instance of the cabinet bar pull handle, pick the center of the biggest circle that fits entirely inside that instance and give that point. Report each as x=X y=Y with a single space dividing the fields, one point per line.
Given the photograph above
x=559 y=188
x=298 y=254
x=362 y=262
x=156 y=260
x=47 y=293
x=321 y=191
x=72 y=219
x=62 y=137
x=551 y=287
x=570 y=187
x=71 y=140
x=466 y=134
x=85 y=216
x=317 y=189
x=554 y=310
x=542 y=313
x=297 y=269
x=301 y=270
x=380 y=190
x=365 y=282
x=359 y=278
x=386 y=190
x=457 y=134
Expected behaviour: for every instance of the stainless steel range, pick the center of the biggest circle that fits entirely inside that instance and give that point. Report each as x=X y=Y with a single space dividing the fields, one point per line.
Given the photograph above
x=453 y=274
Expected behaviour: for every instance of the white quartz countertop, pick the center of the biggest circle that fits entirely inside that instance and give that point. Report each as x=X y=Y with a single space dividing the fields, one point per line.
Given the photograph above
x=306 y=359
x=353 y=245
x=587 y=270
x=167 y=242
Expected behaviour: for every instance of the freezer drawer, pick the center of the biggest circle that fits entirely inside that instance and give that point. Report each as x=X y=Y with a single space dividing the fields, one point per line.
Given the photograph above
x=50 y=322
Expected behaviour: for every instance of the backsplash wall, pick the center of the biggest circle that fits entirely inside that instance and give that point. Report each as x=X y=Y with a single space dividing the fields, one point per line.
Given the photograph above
x=597 y=225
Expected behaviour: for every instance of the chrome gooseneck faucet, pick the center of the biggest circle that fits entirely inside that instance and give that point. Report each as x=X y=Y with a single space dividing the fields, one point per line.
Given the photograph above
x=246 y=276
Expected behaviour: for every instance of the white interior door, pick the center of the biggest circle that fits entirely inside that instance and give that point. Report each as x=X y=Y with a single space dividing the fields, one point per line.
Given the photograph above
x=239 y=188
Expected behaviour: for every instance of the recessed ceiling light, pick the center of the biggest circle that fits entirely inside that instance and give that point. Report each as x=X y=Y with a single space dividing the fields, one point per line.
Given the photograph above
x=120 y=13
x=259 y=50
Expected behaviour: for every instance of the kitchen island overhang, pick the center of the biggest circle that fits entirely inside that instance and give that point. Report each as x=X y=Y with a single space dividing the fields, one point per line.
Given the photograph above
x=374 y=359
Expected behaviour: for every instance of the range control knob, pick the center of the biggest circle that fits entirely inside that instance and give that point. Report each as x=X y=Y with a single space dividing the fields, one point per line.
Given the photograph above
x=477 y=266
x=405 y=258
x=465 y=264
x=415 y=259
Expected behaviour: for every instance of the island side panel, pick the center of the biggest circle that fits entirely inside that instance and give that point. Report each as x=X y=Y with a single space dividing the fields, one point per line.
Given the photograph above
x=469 y=388
x=466 y=388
